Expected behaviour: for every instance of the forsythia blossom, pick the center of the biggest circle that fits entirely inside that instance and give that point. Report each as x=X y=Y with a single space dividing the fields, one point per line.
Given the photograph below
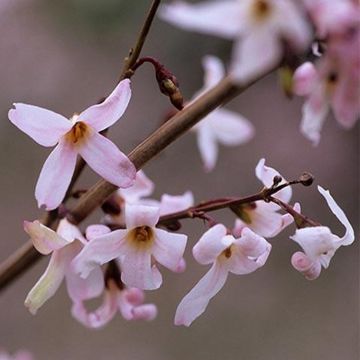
x=63 y=246
x=136 y=248
x=262 y=217
x=220 y=126
x=319 y=243
x=259 y=28
x=226 y=253
x=81 y=136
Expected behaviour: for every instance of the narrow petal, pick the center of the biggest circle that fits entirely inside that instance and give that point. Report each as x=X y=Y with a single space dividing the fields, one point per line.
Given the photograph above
x=266 y=175
x=140 y=215
x=146 y=312
x=249 y=58
x=207 y=144
x=142 y=187
x=231 y=128
x=103 y=156
x=171 y=204
x=55 y=176
x=314 y=113
x=49 y=282
x=214 y=71
x=216 y=18
x=43 y=238
x=69 y=231
x=44 y=126
x=137 y=270
x=212 y=243
x=196 y=301
x=310 y=269
x=99 y=251
x=102 y=116
x=94 y=231
x=168 y=248
x=349 y=236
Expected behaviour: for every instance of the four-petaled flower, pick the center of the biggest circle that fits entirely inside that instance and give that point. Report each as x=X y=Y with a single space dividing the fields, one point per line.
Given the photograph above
x=81 y=136
x=226 y=253
x=136 y=248
x=63 y=245
x=259 y=28
x=319 y=243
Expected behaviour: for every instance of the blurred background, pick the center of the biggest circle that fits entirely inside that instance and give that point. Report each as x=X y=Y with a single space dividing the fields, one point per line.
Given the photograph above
x=65 y=55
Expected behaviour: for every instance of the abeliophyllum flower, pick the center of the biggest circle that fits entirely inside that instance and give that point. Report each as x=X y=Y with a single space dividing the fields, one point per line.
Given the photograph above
x=221 y=125
x=19 y=355
x=137 y=248
x=227 y=254
x=259 y=27
x=63 y=245
x=116 y=298
x=333 y=82
x=80 y=136
x=319 y=243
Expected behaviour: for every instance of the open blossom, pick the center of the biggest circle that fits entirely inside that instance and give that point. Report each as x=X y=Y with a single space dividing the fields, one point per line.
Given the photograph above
x=259 y=28
x=226 y=253
x=261 y=217
x=80 y=136
x=319 y=243
x=63 y=245
x=221 y=125
x=116 y=298
x=136 y=248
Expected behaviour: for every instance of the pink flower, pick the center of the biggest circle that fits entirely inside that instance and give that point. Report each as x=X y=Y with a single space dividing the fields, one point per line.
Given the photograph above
x=220 y=126
x=63 y=245
x=259 y=28
x=330 y=85
x=136 y=247
x=319 y=243
x=81 y=136
x=226 y=254
x=261 y=217
x=19 y=355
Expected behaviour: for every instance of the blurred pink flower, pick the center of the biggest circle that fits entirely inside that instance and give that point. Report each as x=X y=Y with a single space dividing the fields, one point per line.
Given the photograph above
x=135 y=247
x=226 y=254
x=259 y=28
x=81 y=136
x=19 y=355
x=261 y=217
x=319 y=243
x=220 y=126
x=64 y=245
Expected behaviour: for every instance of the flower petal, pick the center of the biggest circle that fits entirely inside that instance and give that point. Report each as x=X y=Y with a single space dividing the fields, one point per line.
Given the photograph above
x=102 y=116
x=196 y=301
x=171 y=204
x=207 y=18
x=266 y=175
x=310 y=269
x=103 y=156
x=231 y=128
x=140 y=215
x=214 y=71
x=305 y=78
x=249 y=58
x=168 y=248
x=211 y=244
x=349 y=236
x=43 y=238
x=55 y=176
x=44 y=126
x=137 y=270
x=146 y=312
x=207 y=144
x=94 y=231
x=99 y=251
x=49 y=282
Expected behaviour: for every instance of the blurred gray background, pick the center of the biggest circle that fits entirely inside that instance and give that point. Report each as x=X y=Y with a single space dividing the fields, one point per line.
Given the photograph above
x=65 y=55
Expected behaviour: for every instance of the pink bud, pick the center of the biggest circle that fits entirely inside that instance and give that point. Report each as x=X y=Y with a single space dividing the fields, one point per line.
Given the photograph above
x=147 y=312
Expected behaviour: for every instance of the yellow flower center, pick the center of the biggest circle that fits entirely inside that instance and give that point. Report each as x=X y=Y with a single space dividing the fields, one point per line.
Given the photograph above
x=260 y=9
x=78 y=132
x=141 y=236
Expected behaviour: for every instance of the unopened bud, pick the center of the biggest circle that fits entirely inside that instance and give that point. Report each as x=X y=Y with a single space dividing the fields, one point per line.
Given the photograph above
x=306 y=179
x=111 y=207
x=169 y=86
x=277 y=180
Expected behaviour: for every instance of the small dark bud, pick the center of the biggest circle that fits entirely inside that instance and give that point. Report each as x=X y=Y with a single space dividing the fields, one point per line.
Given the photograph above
x=277 y=180
x=173 y=225
x=111 y=207
x=306 y=179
